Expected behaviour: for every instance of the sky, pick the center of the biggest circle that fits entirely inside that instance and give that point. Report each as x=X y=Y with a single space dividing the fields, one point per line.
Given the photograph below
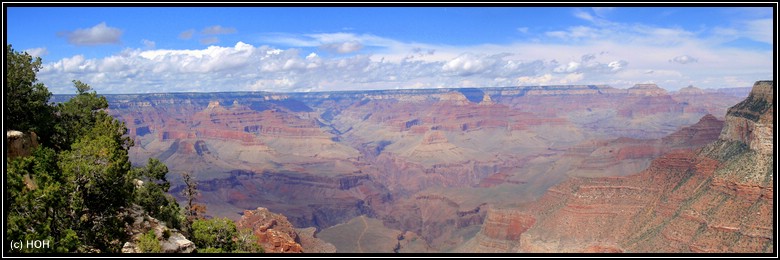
x=301 y=49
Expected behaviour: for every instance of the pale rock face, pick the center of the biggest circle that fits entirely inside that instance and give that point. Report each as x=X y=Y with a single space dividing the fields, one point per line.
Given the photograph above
x=175 y=243
x=456 y=97
x=486 y=100
x=213 y=104
x=646 y=90
x=751 y=121
x=20 y=144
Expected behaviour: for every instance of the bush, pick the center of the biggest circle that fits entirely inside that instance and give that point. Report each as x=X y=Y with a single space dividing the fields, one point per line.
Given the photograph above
x=149 y=243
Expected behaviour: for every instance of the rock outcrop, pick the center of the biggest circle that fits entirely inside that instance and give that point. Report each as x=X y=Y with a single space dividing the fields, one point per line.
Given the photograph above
x=500 y=232
x=171 y=240
x=20 y=144
x=691 y=90
x=702 y=133
x=277 y=235
x=647 y=90
x=751 y=121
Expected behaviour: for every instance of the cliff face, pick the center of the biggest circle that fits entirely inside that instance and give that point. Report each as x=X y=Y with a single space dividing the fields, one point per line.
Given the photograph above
x=500 y=232
x=273 y=231
x=277 y=235
x=717 y=199
x=750 y=121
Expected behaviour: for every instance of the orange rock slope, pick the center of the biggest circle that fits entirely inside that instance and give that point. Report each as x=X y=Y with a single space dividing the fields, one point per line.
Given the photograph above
x=716 y=199
x=277 y=235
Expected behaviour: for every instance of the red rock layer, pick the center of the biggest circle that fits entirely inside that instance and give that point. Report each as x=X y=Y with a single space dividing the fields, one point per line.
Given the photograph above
x=716 y=200
x=275 y=234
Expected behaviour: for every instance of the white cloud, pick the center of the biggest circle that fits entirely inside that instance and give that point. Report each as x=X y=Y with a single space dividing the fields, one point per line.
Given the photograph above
x=684 y=59
x=343 y=47
x=760 y=30
x=584 y=15
x=576 y=32
x=217 y=29
x=572 y=78
x=209 y=40
x=522 y=29
x=616 y=66
x=468 y=64
x=620 y=55
x=602 y=11
x=589 y=63
x=534 y=81
x=96 y=35
x=148 y=44
x=37 y=52
x=186 y=35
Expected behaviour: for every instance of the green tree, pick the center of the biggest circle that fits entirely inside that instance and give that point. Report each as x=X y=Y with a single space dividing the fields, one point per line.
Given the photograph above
x=217 y=233
x=192 y=211
x=153 y=196
x=27 y=107
x=220 y=235
x=74 y=190
x=78 y=115
x=35 y=203
x=247 y=242
x=98 y=183
x=149 y=243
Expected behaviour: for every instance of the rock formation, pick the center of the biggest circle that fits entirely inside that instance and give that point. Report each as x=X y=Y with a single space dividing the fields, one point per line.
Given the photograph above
x=691 y=90
x=751 y=121
x=646 y=90
x=716 y=199
x=500 y=232
x=277 y=235
x=399 y=156
x=20 y=144
x=171 y=240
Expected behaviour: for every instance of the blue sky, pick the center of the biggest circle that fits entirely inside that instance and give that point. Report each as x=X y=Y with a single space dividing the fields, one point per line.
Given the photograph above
x=184 y=49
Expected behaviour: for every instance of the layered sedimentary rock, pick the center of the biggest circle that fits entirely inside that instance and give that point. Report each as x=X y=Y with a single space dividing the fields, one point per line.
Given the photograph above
x=306 y=200
x=274 y=233
x=500 y=232
x=323 y=159
x=277 y=235
x=716 y=199
x=751 y=121
x=703 y=132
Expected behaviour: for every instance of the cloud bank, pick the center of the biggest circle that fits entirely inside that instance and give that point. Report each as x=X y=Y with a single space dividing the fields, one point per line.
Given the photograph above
x=96 y=35
x=596 y=52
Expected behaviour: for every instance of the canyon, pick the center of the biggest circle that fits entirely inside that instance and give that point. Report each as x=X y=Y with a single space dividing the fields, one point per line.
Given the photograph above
x=714 y=199
x=470 y=170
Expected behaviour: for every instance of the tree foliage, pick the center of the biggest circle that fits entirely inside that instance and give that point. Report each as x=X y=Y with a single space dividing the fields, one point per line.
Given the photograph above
x=73 y=189
x=97 y=183
x=149 y=243
x=192 y=211
x=77 y=116
x=35 y=199
x=220 y=235
x=153 y=195
x=27 y=107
